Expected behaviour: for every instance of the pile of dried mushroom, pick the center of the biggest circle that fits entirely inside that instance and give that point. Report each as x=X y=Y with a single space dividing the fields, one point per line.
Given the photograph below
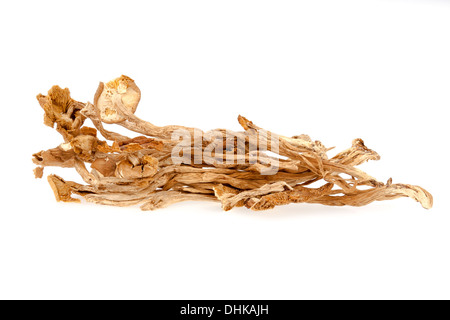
x=255 y=168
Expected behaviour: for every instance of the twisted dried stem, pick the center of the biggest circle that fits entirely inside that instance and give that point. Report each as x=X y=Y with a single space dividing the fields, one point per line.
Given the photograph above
x=237 y=169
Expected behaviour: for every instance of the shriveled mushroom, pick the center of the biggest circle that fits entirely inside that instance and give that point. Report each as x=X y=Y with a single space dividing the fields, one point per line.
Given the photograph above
x=126 y=89
x=166 y=165
x=136 y=167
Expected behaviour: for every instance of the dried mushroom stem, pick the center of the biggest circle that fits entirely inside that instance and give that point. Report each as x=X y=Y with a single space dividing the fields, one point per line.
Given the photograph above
x=166 y=165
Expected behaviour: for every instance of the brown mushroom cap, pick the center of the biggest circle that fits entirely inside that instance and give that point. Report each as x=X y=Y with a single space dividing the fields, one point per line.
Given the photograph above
x=130 y=95
x=146 y=167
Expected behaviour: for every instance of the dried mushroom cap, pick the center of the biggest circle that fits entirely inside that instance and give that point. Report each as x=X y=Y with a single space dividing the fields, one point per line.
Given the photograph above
x=105 y=166
x=62 y=110
x=134 y=168
x=129 y=93
x=56 y=105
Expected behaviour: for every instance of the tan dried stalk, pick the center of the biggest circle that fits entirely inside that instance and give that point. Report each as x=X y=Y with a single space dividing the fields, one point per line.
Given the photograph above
x=141 y=170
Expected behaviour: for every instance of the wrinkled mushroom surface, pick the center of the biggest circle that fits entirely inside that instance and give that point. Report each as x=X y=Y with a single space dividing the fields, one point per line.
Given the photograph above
x=123 y=87
x=122 y=171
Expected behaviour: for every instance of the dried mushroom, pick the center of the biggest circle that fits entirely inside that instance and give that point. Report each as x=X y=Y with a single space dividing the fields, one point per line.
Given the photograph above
x=124 y=88
x=166 y=165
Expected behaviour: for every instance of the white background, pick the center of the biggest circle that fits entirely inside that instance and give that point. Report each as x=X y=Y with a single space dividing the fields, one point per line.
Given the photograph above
x=336 y=70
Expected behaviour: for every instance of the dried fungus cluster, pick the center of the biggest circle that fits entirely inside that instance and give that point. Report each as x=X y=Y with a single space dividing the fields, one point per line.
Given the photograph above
x=123 y=171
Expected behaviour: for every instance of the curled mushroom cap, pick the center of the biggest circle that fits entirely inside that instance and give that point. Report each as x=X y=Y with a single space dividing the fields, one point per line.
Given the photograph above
x=137 y=167
x=129 y=93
